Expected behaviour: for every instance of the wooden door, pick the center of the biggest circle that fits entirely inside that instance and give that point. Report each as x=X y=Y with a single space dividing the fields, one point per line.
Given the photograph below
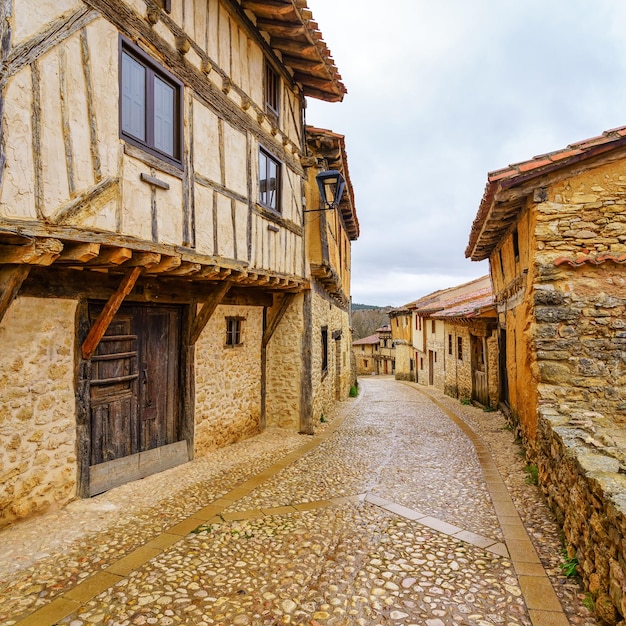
x=134 y=394
x=431 y=367
x=480 y=388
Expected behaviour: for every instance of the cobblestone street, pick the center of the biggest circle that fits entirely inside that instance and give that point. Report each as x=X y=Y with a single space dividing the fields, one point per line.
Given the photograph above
x=407 y=508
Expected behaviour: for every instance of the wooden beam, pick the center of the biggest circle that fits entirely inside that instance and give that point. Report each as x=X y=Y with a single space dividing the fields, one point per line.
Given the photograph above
x=282 y=30
x=207 y=311
x=143 y=259
x=96 y=332
x=11 y=279
x=167 y=264
x=268 y=8
x=112 y=256
x=79 y=252
x=37 y=252
x=275 y=320
x=185 y=269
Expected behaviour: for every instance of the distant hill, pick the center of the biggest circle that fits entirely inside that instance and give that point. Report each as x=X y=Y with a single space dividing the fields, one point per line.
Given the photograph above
x=366 y=319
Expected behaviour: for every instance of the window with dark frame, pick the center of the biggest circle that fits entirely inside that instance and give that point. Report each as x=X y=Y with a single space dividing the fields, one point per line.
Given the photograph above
x=234 y=334
x=432 y=326
x=365 y=362
x=516 y=245
x=459 y=348
x=272 y=90
x=324 y=349
x=449 y=344
x=150 y=105
x=269 y=181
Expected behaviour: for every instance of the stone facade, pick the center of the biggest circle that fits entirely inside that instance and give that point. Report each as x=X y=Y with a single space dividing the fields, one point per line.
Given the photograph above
x=556 y=260
x=228 y=386
x=37 y=407
x=365 y=353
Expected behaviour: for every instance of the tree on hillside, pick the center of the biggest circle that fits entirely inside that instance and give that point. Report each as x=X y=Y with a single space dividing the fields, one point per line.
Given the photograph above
x=366 y=322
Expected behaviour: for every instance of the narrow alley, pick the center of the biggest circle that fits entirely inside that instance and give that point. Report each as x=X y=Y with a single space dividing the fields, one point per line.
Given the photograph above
x=406 y=508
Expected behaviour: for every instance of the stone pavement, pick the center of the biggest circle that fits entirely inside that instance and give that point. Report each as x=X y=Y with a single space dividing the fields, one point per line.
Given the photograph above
x=407 y=509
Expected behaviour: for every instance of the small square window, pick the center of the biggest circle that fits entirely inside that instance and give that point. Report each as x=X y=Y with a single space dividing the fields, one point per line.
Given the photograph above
x=150 y=105
x=234 y=331
x=269 y=181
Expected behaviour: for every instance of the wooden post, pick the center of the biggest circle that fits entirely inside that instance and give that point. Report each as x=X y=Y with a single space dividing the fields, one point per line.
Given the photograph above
x=207 y=311
x=11 y=279
x=108 y=313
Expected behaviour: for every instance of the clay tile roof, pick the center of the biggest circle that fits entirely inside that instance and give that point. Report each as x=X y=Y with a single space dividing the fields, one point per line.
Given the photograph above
x=465 y=300
x=292 y=32
x=332 y=146
x=366 y=341
x=488 y=227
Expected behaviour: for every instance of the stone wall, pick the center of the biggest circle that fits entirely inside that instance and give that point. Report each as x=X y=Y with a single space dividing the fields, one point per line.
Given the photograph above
x=458 y=374
x=334 y=384
x=37 y=407
x=365 y=360
x=228 y=382
x=284 y=369
x=404 y=354
x=493 y=369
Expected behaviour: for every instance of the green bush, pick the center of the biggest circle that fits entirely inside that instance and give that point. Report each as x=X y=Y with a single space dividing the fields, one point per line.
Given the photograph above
x=354 y=391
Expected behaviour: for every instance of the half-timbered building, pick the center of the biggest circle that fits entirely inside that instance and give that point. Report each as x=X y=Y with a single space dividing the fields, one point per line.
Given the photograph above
x=152 y=250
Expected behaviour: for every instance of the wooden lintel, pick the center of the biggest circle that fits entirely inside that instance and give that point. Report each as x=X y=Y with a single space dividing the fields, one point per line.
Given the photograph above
x=80 y=252
x=267 y=8
x=96 y=332
x=275 y=320
x=11 y=279
x=207 y=311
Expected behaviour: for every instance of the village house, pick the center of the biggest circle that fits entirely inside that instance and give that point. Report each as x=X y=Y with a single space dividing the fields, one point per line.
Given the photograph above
x=155 y=294
x=554 y=231
x=453 y=342
x=366 y=353
x=329 y=233
x=400 y=321
x=386 y=359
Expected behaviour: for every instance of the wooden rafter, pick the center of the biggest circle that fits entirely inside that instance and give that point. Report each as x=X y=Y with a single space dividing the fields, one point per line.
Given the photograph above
x=207 y=311
x=107 y=314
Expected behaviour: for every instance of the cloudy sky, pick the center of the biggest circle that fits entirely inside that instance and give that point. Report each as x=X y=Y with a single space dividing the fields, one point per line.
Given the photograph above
x=440 y=93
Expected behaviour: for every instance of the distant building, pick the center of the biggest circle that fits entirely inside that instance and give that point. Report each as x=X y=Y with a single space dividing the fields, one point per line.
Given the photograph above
x=366 y=353
x=453 y=341
x=386 y=363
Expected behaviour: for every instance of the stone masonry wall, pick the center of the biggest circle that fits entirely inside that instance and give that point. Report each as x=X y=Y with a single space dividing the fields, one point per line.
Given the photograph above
x=37 y=407
x=458 y=375
x=580 y=341
x=228 y=382
x=404 y=354
x=332 y=385
x=284 y=369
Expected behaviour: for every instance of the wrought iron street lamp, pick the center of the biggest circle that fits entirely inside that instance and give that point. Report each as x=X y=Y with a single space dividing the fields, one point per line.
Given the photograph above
x=331 y=185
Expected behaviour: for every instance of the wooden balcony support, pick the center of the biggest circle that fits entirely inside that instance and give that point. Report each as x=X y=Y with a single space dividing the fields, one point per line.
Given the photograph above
x=207 y=311
x=11 y=279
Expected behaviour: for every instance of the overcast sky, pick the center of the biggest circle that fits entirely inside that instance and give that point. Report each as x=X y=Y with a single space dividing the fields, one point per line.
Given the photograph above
x=440 y=93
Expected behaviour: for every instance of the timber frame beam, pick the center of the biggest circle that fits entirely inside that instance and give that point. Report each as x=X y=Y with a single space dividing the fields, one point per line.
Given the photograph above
x=205 y=314
x=11 y=279
x=96 y=332
x=275 y=320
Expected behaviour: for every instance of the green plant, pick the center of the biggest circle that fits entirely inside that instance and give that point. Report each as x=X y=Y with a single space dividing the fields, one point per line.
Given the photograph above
x=354 y=391
x=533 y=474
x=569 y=565
x=588 y=602
x=489 y=409
x=323 y=418
x=466 y=401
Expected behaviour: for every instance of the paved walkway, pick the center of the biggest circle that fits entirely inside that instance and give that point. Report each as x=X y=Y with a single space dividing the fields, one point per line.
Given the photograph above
x=398 y=512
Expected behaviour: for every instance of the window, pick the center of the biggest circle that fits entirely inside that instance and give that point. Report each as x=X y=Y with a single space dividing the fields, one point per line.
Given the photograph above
x=420 y=323
x=234 y=328
x=501 y=263
x=516 y=245
x=324 y=350
x=411 y=364
x=432 y=326
x=272 y=91
x=421 y=363
x=362 y=348
x=150 y=106
x=365 y=362
x=269 y=181
x=459 y=348
x=449 y=344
